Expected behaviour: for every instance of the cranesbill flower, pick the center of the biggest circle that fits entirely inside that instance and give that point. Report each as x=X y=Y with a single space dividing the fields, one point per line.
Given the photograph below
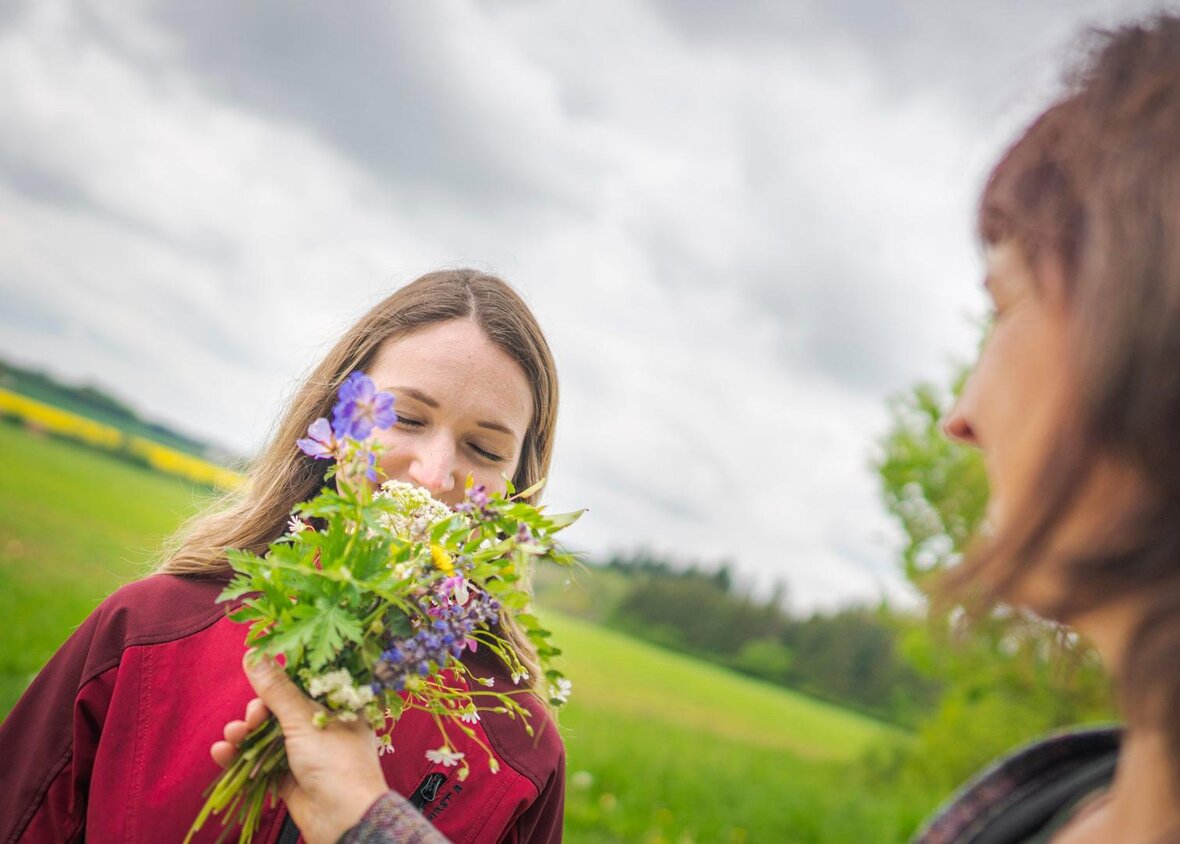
x=320 y=442
x=361 y=408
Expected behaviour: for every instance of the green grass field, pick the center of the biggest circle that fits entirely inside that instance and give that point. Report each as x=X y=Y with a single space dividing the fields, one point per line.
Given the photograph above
x=661 y=747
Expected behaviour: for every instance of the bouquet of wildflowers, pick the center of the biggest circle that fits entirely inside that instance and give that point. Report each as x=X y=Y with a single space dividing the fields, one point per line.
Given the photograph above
x=373 y=595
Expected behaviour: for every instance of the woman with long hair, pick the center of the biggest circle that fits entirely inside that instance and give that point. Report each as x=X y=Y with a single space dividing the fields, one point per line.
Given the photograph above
x=110 y=742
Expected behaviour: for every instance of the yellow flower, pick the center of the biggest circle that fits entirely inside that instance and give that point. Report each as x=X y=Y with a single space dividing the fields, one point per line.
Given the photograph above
x=441 y=559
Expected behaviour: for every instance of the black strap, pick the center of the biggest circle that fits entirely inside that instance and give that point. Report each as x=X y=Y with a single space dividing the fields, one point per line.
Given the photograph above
x=289 y=834
x=1040 y=803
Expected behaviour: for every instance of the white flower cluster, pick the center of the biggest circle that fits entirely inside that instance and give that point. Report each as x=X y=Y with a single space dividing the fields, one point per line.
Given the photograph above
x=342 y=696
x=417 y=512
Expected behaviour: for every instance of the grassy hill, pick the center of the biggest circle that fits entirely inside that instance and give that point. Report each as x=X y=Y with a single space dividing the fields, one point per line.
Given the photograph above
x=661 y=747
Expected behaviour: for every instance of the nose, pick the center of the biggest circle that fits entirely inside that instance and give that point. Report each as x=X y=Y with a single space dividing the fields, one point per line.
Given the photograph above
x=433 y=467
x=956 y=425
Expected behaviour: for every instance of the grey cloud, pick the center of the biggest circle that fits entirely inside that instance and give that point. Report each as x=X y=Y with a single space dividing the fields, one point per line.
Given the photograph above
x=972 y=54
x=45 y=185
x=25 y=310
x=370 y=79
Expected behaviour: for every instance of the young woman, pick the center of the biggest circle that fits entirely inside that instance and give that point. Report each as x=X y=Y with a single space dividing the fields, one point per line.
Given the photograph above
x=1075 y=404
x=110 y=742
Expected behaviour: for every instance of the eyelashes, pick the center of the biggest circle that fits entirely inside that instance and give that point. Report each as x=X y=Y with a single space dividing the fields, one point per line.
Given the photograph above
x=412 y=424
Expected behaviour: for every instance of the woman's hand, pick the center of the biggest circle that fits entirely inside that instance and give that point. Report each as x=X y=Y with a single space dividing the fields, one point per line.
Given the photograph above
x=335 y=775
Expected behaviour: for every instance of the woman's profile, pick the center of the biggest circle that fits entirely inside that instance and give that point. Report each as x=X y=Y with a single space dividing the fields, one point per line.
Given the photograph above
x=1075 y=403
x=111 y=740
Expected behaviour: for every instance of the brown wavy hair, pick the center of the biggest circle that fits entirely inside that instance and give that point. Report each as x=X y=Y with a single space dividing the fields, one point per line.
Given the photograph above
x=1091 y=192
x=281 y=476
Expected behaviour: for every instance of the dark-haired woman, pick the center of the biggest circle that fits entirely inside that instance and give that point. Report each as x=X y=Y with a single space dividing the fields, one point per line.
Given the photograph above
x=111 y=740
x=1075 y=404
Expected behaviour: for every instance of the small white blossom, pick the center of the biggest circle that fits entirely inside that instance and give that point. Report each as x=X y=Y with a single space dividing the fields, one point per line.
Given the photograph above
x=561 y=690
x=517 y=676
x=485 y=681
x=418 y=512
x=469 y=716
x=297 y=525
x=337 y=688
x=444 y=756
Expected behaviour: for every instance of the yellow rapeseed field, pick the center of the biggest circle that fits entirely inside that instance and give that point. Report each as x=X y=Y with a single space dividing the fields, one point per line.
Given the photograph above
x=109 y=438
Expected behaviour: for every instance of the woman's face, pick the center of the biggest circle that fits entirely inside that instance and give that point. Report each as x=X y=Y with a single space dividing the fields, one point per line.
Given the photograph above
x=1015 y=398
x=463 y=408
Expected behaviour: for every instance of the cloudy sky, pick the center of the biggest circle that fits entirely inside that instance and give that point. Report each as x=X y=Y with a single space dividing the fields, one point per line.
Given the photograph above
x=743 y=225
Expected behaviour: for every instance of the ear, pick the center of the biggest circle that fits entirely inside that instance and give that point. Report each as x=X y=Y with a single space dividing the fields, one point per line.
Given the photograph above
x=1052 y=280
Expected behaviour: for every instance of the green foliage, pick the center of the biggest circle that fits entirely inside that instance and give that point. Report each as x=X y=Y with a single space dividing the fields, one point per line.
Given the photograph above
x=935 y=488
x=1005 y=678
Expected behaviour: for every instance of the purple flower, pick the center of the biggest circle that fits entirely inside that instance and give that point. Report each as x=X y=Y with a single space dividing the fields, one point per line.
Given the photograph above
x=448 y=634
x=360 y=408
x=370 y=469
x=320 y=442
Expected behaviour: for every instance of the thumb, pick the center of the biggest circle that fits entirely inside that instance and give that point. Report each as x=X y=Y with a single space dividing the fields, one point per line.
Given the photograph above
x=271 y=683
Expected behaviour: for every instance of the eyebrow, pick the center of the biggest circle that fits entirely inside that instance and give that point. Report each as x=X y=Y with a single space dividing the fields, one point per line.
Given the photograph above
x=416 y=394
x=430 y=402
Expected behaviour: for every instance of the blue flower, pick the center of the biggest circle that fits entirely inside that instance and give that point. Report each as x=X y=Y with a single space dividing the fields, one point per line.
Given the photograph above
x=360 y=408
x=320 y=441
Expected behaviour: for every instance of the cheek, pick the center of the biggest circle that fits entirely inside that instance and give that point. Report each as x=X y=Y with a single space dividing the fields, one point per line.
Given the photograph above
x=395 y=458
x=492 y=477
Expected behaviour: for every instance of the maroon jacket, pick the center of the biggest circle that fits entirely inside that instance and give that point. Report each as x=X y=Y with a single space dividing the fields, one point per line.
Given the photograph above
x=111 y=740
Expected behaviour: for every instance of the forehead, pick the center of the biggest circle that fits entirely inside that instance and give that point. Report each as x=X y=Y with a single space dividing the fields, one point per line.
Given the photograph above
x=456 y=365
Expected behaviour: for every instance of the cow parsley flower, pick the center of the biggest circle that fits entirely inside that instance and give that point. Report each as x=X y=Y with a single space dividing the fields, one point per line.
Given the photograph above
x=337 y=689
x=417 y=511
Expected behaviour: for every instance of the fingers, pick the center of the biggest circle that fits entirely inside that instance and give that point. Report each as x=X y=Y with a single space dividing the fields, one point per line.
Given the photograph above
x=256 y=713
x=235 y=732
x=223 y=753
x=277 y=692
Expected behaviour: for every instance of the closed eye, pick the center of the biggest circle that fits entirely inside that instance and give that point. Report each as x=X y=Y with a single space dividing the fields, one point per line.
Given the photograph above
x=487 y=455
x=407 y=422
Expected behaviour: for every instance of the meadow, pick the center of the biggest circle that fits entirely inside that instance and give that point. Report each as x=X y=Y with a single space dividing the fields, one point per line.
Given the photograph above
x=661 y=747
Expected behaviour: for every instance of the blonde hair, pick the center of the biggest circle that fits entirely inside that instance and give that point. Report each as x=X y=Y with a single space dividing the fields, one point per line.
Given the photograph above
x=253 y=516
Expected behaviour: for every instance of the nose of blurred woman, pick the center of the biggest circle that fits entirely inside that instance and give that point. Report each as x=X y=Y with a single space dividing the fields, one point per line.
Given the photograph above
x=433 y=467
x=957 y=426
